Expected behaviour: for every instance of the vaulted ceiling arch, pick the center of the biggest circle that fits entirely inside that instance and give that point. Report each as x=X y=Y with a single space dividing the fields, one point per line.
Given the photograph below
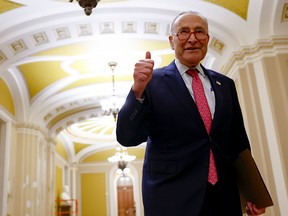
x=54 y=58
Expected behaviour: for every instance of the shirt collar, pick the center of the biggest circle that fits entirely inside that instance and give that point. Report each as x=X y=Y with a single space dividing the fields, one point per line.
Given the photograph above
x=182 y=68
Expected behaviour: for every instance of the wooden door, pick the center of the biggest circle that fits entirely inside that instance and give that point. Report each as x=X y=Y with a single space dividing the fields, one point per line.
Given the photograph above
x=126 y=205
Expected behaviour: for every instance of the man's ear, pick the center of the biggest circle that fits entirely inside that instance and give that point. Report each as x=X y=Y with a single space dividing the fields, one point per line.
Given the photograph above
x=208 y=36
x=171 y=42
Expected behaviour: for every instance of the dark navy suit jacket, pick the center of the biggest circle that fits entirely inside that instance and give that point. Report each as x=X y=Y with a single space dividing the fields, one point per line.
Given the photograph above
x=176 y=161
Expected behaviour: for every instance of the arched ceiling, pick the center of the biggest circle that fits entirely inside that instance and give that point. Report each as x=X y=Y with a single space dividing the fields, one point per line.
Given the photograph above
x=54 y=58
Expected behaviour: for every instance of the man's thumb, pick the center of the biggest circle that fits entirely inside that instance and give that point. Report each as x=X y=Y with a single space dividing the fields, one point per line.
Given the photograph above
x=148 y=55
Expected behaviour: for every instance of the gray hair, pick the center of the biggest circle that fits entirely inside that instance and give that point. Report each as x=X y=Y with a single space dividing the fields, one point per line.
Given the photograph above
x=187 y=12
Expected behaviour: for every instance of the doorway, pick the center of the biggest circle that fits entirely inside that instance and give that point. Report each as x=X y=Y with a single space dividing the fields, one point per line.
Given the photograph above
x=125 y=196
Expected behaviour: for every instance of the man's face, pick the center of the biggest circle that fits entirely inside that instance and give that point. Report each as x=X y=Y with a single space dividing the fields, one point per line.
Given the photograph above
x=189 y=51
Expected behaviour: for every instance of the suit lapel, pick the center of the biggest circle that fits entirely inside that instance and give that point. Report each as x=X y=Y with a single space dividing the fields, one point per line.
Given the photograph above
x=178 y=88
x=216 y=86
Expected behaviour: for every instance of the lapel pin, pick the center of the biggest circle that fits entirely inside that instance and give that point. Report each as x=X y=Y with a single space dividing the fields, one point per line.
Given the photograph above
x=219 y=83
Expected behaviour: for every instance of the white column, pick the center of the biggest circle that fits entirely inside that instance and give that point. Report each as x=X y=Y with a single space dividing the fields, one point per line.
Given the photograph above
x=50 y=183
x=273 y=142
x=73 y=171
x=32 y=172
x=262 y=112
x=5 y=185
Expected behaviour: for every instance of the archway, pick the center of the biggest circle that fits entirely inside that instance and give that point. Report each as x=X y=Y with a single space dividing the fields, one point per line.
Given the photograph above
x=125 y=196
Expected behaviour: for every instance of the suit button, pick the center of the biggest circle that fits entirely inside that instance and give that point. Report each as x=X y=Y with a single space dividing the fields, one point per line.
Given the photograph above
x=205 y=163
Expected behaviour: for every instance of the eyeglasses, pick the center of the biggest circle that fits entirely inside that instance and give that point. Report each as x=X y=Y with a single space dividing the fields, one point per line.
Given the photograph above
x=185 y=34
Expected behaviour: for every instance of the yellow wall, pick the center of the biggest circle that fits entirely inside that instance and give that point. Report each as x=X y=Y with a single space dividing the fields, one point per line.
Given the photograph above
x=93 y=198
x=58 y=181
x=239 y=7
x=6 y=99
x=61 y=150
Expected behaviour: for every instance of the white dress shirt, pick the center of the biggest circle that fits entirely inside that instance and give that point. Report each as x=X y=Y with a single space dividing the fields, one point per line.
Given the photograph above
x=205 y=81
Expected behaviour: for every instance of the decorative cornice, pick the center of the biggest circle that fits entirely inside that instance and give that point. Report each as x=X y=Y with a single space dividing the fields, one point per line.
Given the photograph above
x=32 y=42
x=248 y=54
x=31 y=128
x=28 y=125
x=79 y=112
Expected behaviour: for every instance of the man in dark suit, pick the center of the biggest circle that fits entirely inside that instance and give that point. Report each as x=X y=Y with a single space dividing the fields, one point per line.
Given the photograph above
x=161 y=110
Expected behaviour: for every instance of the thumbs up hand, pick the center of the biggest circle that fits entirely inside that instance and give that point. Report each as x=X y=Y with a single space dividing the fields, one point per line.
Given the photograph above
x=142 y=75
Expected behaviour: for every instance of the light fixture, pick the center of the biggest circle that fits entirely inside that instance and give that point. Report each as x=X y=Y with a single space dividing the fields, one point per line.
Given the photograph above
x=112 y=105
x=121 y=157
x=88 y=5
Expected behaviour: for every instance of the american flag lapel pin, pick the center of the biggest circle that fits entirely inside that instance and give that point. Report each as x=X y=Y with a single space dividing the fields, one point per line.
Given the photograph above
x=218 y=83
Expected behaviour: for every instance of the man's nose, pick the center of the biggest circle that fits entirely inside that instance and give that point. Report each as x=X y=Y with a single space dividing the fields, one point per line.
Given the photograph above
x=192 y=37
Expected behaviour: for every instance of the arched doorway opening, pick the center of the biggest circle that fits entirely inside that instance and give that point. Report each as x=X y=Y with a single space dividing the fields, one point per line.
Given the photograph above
x=125 y=196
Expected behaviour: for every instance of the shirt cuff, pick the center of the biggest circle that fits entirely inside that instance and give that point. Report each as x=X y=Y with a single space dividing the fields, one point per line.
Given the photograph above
x=140 y=100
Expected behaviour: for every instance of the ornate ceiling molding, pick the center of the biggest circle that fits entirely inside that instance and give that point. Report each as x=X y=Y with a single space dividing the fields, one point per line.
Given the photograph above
x=247 y=54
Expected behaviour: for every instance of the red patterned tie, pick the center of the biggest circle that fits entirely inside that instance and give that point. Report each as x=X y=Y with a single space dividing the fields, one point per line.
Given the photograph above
x=203 y=107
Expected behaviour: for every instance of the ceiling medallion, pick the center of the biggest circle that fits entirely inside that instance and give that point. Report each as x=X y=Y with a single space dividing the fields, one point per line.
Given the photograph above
x=88 y=5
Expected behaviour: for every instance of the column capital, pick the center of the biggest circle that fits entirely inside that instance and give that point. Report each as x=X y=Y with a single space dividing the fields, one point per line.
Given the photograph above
x=249 y=54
